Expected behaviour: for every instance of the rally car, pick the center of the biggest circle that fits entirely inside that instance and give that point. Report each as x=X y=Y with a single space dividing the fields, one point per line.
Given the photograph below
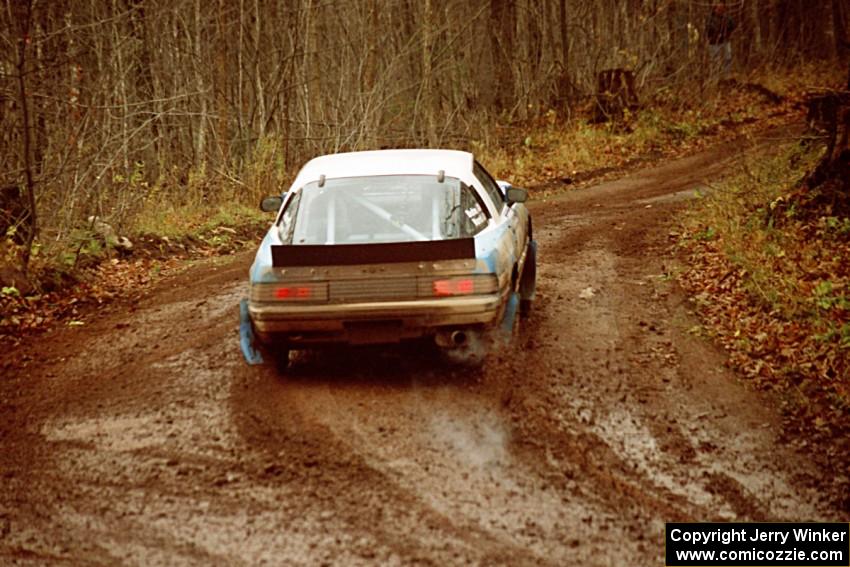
x=390 y=245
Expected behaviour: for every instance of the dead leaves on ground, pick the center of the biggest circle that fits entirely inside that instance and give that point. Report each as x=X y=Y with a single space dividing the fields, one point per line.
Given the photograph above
x=72 y=302
x=763 y=343
x=23 y=316
x=805 y=358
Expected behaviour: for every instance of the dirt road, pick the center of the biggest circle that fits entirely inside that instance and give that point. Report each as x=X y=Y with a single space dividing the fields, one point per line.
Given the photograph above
x=142 y=437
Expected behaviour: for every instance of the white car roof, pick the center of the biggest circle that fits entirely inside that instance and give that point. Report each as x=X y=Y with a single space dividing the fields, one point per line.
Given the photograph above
x=386 y=162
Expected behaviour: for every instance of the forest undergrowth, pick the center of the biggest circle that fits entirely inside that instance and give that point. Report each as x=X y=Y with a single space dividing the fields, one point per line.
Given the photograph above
x=770 y=280
x=559 y=150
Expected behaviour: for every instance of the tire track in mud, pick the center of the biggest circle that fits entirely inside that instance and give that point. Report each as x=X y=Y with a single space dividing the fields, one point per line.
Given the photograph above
x=145 y=439
x=353 y=484
x=447 y=448
x=661 y=399
x=624 y=391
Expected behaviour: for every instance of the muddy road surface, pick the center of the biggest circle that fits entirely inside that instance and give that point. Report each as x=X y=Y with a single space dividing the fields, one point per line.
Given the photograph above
x=142 y=437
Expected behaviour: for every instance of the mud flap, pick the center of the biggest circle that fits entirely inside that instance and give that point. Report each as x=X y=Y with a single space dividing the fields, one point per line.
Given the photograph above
x=510 y=318
x=247 y=340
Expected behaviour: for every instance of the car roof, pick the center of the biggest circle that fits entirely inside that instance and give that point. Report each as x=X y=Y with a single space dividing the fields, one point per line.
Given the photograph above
x=386 y=162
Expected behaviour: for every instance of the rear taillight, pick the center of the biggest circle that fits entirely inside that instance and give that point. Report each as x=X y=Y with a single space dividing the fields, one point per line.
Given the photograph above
x=293 y=292
x=312 y=292
x=453 y=286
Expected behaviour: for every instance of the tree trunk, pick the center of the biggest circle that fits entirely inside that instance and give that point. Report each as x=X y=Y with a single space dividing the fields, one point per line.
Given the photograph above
x=839 y=22
x=564 y=82
x=223 y=130
x=427 y=74
x=201 y=137
x=23 y=98
x=145 y=84
x=503 y=21
x=258 y=76
x=828 y=185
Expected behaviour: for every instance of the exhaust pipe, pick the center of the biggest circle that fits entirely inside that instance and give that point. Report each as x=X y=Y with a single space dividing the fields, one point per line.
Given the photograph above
x=452 y=339
x=458 y=338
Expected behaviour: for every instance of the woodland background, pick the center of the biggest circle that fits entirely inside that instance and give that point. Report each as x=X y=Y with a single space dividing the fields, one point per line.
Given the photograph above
x=111 y=106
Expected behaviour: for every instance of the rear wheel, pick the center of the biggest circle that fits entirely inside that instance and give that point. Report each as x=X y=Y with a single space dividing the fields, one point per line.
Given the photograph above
x=275 y=353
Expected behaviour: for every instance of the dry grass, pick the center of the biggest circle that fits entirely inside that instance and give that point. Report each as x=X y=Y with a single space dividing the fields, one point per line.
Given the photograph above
x=166 y=219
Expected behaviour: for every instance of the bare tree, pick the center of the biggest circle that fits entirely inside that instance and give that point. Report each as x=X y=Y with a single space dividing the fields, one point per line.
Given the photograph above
x=24 y=17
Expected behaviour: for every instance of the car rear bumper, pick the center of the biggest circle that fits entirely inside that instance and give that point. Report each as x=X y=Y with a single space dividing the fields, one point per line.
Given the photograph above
x=371 y=322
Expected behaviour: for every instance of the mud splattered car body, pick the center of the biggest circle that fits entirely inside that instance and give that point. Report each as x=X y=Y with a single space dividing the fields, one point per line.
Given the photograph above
x=383 y=246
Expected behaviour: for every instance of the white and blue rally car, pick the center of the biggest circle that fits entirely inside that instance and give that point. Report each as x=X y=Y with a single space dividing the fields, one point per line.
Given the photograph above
x=384 y=246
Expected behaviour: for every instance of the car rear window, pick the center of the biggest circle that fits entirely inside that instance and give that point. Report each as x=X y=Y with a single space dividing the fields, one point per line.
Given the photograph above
x=390 y=208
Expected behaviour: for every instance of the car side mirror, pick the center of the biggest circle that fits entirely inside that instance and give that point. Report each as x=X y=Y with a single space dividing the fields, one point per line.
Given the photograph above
x=516 y=195
x=271 y=204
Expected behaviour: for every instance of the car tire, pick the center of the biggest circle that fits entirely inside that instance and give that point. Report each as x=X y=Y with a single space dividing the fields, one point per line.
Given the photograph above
x=528 y=284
